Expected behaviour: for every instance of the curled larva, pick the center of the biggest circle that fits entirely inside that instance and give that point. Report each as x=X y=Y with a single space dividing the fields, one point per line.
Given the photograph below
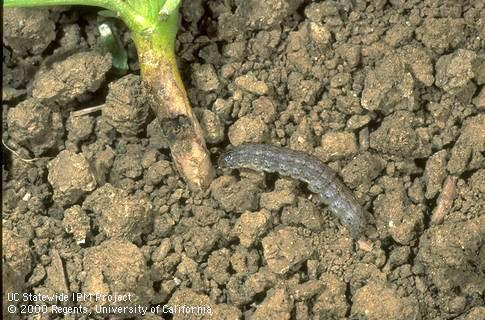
x=320 y=178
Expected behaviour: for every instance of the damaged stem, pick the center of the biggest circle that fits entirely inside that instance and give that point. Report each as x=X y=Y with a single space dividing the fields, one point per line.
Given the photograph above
x=153 y=24
x=156 y=54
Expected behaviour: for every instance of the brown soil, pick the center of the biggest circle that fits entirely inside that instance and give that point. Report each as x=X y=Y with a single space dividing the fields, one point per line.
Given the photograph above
x=389 y=93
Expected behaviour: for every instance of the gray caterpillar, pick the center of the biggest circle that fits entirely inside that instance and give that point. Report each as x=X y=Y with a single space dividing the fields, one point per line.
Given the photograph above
x=320 y=178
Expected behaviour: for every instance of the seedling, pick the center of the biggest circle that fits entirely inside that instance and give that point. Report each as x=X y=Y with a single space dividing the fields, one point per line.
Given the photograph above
x=109 y=41
x=153 y=26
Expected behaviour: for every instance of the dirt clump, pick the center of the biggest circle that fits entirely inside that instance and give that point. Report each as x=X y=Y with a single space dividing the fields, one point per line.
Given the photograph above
x=16 y=253
x=435 y=173
x=276 y=200
x=401 y=134
x=17 y=264
x=441 y=33
x=380 y=89
x=251 y=84
x=11 y=282
x=212 y=127
x=218 y=265
x=251 y=226
x=248 y=129
x=286 y=249
x=119 y=215
x=77 y=222
x=116 y=266
x=235 y=196
x=79 y=129
x=337 y=145
x=157 y=172
x=331 y=300
x=205 y=77
x=479 y=100
x=201 y=305
x=28 y=30
x=70 y=79
x=376 y=301
x=362 y=170
x=451 y=255
x=36 y=126
x=71 y=177
x=398 y=217
x=253 y=15
x=277 y=305
x=466 y=154
x=127 y=106
x=475 y=313
x=306 y=214
x=454 y=73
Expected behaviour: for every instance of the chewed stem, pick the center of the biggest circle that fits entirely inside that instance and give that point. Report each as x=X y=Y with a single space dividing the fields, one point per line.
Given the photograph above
x=172 y=107
x=153 y=24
